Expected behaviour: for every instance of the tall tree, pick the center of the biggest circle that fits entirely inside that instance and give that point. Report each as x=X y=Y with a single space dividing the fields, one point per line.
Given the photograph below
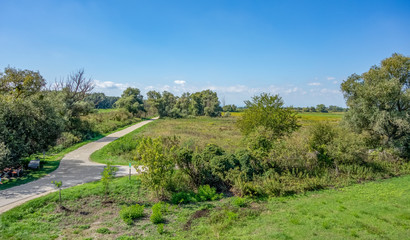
x=132 y=100
x=267 y=111
x=379 y=101
x=20 y=83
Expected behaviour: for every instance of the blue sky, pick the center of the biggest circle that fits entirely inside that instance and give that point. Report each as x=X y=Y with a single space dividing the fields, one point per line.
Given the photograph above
x=301 y=50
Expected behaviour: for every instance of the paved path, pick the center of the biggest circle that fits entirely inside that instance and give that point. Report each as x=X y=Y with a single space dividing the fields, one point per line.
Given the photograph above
x=75 y=168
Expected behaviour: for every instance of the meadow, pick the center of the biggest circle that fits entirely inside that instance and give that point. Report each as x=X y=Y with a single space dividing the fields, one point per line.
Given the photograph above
x=198 y=131
x=375 y=210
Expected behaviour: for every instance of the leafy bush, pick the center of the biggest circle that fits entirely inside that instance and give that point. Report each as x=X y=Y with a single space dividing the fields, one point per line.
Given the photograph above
x=157 y=212
x=183 y=197
x=239 y=202
x=157 y=157
x=207 y=193
x=128 y=214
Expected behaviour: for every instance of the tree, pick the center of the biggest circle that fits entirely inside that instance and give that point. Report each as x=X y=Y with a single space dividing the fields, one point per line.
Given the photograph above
x=321 y=108
x=132 y=100
x=20 y=83
x=27 y=126
x=267 y=111
x=379 y=100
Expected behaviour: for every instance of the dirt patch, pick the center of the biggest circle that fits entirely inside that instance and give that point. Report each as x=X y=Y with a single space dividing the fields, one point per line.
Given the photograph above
x=196 y=215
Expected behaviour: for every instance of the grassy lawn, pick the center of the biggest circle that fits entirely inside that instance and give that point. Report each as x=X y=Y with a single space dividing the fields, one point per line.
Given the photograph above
x=198 y=131
x=50 y=162
x=375 y=210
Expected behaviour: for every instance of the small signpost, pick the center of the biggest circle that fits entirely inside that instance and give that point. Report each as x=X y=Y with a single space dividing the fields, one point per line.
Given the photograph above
x=129 y=177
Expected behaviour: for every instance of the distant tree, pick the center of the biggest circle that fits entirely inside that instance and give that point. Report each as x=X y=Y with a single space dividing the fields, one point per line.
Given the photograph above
x=229 y=108
x=321 y=108
x=132 y=100
x=379 y=101
x=267 y=111
x=20 y=83
x=101 y=101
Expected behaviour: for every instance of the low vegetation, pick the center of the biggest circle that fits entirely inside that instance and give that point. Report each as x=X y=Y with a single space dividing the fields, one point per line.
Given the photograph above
x=376 y=210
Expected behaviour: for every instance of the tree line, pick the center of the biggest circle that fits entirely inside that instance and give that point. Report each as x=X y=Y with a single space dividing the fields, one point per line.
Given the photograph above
x=34 y=117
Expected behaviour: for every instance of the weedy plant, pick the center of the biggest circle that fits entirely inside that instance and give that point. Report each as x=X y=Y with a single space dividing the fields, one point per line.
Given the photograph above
x=129 y=214
x=106 y=176
x=58 y=185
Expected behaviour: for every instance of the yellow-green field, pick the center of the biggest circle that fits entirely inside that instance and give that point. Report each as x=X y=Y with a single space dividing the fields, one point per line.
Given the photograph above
x=309 y=117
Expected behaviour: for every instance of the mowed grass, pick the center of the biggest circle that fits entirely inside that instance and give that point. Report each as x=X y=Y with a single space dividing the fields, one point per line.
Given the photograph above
x=196 y=131
x=375 y=210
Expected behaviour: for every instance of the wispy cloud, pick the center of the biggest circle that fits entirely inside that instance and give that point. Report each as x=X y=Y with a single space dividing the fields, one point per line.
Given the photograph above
x=180 y=82
x=110 y=85
x=330 y=78
x=314 y=84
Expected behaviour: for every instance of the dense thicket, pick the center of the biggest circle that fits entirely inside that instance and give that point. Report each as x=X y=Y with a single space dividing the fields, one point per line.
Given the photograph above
x=205 y=103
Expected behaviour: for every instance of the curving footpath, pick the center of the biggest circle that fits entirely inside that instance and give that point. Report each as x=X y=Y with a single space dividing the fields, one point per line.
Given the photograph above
x=75 y=168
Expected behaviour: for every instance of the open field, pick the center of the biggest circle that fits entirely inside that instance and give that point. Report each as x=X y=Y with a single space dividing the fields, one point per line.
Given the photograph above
x=308 y=118
x=375 y=210
x=198 y=131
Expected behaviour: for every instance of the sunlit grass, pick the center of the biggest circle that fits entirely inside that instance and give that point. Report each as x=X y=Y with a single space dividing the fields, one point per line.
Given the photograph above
x=197 y=131
x=375 y=210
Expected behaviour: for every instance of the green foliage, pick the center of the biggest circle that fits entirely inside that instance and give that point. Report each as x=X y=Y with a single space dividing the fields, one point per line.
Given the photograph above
x=230 y=108
x=157 y=157
x=239 y=202
x=157 y=212
x=203 y=103
x=18 y=83
x=207 y=193
x=129 y=214
x=27 y=126
x=132 y=100
x=106 y=176
x=103 y=231
x=267 y=111
x=100 y=101
x=160 y=228
x=183 y=198
x=379 y=102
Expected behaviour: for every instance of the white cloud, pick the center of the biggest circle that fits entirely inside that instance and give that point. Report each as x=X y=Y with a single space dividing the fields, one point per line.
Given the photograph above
x=314 y=84
x=334 y=82
x=330 y=78
x=332 y=91
x=180 y=82
x=110 y=85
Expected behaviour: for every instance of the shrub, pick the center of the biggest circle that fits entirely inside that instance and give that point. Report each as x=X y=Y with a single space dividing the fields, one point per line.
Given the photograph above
x=157 y=157
x=239 y=202
x=207 y=193
x=157 y=212
x=183 y=197
x=128 y=214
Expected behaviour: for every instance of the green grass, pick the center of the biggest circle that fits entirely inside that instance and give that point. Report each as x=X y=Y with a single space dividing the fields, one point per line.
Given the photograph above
x=198 y=131
x=107 y=110
x=375 y=210
x=50 y=162
x=309 y=118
